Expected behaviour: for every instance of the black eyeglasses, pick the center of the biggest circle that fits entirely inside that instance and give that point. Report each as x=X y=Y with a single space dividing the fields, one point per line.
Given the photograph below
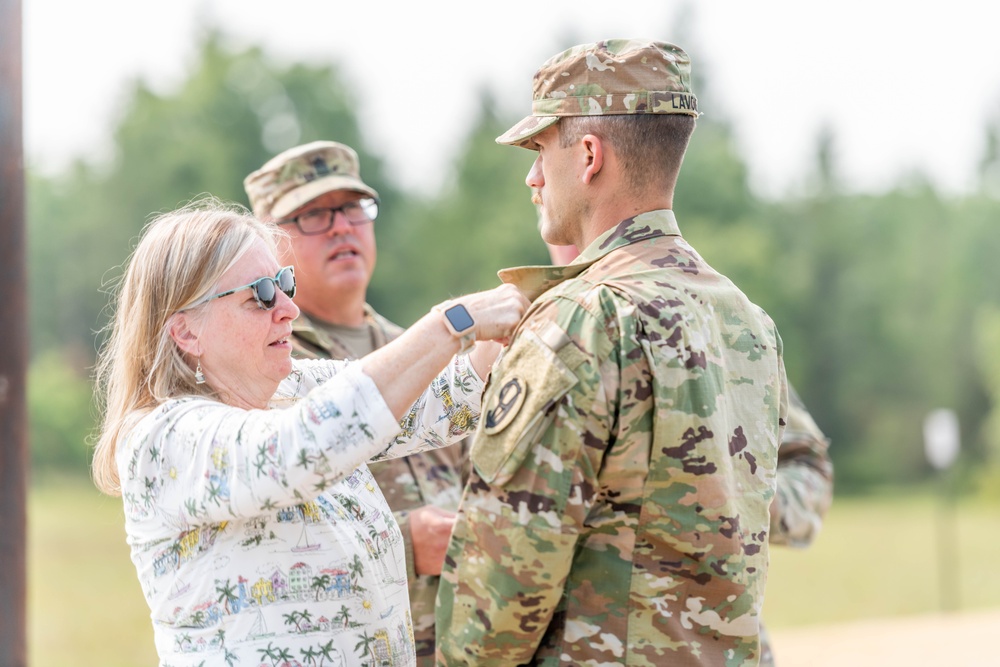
x=265 y=290
x=320 y=220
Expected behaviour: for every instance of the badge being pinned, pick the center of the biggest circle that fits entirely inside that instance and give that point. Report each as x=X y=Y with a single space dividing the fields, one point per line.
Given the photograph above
x=505 y=405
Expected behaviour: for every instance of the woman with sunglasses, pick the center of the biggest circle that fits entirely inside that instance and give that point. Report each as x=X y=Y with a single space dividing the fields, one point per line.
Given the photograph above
x=257 y=531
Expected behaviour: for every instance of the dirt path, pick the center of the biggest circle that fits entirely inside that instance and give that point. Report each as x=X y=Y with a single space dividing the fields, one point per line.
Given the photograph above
x=939 y=640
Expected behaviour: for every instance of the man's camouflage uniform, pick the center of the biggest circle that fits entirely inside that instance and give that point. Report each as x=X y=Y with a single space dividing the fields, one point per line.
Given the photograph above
x=617 y=512
x=805 y=479
x=805 y=488
x=433 y=477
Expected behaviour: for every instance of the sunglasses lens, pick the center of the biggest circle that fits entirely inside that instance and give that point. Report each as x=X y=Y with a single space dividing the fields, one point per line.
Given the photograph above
x=286 y=281
x=264 y=289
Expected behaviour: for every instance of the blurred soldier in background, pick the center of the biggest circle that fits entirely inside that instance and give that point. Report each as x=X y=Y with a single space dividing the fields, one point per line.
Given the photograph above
x=316 y=193
x=805 y=489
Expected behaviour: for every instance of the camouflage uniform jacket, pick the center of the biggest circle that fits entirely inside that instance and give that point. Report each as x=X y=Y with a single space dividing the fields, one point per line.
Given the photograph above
x=434 y=477
x=805 y=479
x=617 y=511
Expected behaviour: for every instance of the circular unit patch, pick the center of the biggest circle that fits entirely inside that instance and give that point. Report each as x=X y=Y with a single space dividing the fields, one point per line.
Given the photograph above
x=505 y=405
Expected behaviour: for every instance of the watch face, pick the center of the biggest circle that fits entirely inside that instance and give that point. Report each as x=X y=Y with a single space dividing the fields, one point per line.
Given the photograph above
x=459 y=317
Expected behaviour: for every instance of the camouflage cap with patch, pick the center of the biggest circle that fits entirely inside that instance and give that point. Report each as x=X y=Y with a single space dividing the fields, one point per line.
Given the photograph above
x=295 y=177
x=612 y=77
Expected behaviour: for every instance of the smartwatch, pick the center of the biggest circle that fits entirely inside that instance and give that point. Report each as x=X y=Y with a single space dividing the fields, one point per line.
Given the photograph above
x=459 y=323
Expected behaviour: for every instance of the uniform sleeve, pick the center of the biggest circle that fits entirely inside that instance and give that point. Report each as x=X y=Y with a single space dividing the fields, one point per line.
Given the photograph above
x=805 y=479
x=531 y=487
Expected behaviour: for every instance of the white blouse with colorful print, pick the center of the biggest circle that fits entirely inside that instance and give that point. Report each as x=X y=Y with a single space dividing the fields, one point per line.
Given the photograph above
x=260 y=537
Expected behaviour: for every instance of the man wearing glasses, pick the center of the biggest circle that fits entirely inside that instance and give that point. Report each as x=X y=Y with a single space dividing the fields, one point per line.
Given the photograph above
x=316 y=194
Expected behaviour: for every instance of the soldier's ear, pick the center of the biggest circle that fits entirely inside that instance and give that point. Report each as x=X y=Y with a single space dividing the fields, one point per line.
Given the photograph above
x=593 y=154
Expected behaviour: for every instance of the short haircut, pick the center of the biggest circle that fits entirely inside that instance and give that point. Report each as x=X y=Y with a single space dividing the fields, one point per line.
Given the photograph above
x=650 y=147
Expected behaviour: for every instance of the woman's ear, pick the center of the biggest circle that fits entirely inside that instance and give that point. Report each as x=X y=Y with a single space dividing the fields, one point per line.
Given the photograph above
x=593 y=149
x=180 y=330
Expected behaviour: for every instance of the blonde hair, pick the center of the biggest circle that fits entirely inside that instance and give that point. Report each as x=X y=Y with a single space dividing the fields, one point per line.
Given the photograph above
x=179 y=259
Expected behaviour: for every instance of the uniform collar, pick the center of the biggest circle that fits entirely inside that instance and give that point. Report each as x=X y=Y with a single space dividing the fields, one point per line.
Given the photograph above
x=306 y=329
x=533 y=281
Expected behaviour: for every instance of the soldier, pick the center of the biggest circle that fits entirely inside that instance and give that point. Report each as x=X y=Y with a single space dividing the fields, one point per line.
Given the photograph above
x=805 y=473
x=617 y=511
x=315 y=191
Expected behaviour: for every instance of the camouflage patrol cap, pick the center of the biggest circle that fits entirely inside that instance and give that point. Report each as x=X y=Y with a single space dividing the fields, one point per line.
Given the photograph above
x=613 y=77
x=295 y=177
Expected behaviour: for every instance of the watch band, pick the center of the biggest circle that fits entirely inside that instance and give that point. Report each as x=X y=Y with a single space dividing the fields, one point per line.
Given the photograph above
x=468 y=341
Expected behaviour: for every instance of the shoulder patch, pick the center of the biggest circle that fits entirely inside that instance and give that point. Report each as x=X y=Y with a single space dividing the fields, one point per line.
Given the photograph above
x=531 y=379
x=505 y=405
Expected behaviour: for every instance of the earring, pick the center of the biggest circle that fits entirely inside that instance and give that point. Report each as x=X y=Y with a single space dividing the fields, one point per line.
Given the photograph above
x=199 y=377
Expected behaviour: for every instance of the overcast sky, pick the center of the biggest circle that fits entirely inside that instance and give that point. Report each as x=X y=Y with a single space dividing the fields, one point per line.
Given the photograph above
x=903 y=88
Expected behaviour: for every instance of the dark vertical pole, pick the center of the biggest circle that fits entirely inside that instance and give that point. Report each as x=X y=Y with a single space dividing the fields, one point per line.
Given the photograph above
x=14 y=350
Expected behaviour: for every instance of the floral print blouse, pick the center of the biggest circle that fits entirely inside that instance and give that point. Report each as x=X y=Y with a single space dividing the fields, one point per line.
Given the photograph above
x=260 y=536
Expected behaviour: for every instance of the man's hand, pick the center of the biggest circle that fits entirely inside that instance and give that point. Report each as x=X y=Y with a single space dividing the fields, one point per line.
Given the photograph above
x=430 y=529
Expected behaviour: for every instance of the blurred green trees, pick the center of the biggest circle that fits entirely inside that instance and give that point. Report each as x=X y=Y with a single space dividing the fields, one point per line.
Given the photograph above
x=887 y=304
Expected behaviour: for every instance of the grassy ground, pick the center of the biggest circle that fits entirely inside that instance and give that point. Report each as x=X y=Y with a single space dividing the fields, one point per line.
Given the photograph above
x=884 y=557
x=875 y=558
x=85 y=607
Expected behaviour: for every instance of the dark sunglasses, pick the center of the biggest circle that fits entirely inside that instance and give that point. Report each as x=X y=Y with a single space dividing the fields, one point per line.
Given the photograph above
x=265 y=290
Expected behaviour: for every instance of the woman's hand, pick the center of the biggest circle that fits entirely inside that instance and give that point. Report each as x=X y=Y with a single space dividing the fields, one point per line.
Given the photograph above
x=404 y=368
x=496 y=312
